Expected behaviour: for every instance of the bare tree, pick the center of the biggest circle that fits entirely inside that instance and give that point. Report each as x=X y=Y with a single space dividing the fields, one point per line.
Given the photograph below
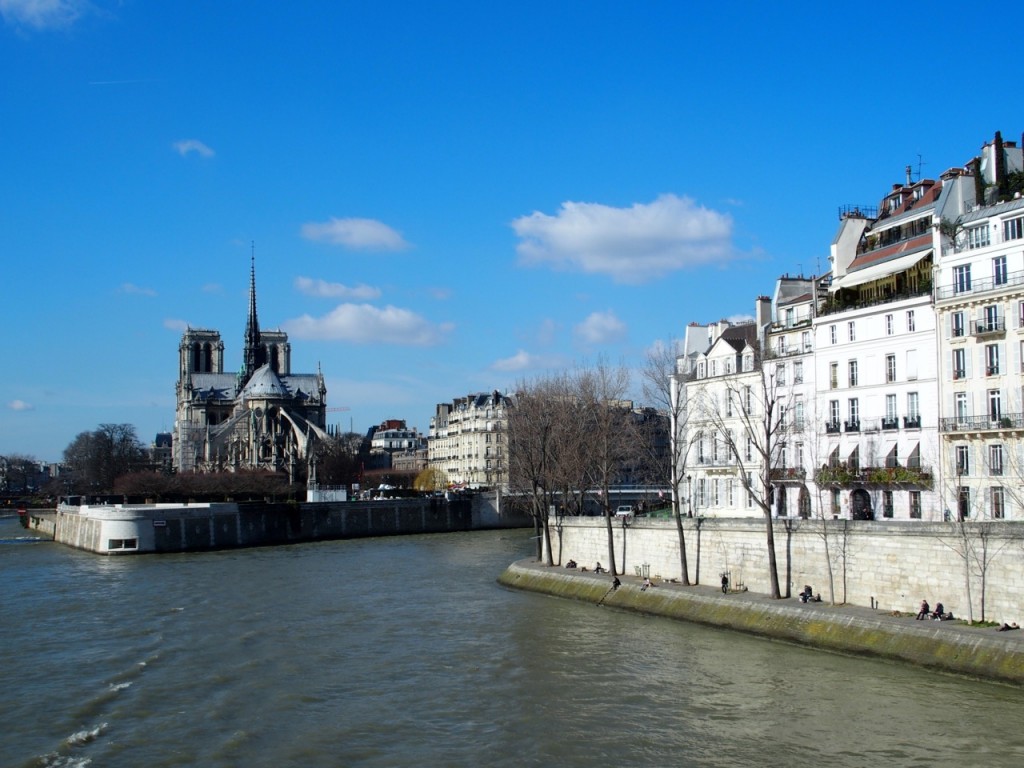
x=663 y=388
x=757 y=444
x=99 y=457
x=602 y=392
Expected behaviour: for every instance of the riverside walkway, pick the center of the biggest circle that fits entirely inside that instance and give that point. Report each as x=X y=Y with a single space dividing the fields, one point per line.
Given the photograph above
x=949 y=646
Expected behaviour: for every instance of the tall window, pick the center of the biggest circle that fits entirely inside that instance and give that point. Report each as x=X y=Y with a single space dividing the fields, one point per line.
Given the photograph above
x=915 y=505
x=963 y=460
x=798 y=412
x=960 y=406
x=999 y=270
x=998 y=502
x=854 y=410
x=851 y=331
x=748 y=400
x=911 y=324
x=853 y=373
x=730 y=492
x=890 y=368
x=888 y=325
x=995 y=459
x=835 y=502
x=805 y=340
x=833 y=375
x=995 y=404
x=833 y=411
x=798 y=372
x=886 y=503
x=992 y=318
x=991 y=359
x=780 y=374
x=832 y=333
x=913 y=409
x=890 y=408
x=959 y=363
x=962 y=279
x=750 y=489
x=957 y=325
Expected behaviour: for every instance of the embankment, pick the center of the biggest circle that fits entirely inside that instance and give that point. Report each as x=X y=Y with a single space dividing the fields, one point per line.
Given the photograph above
x=949 y=646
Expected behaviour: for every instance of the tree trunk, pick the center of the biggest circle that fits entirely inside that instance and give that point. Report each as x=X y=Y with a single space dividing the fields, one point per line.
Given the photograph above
x=773 y=568
x=683 y=566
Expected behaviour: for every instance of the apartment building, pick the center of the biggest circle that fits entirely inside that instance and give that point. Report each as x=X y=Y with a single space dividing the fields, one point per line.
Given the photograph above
x=467 y=440
x=979 y=305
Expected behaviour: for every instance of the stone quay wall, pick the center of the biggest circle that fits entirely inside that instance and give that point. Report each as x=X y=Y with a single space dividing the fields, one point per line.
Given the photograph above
x=887 y=565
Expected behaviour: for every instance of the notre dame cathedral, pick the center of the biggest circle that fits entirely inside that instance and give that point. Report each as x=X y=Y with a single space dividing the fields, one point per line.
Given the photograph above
x=263 y=417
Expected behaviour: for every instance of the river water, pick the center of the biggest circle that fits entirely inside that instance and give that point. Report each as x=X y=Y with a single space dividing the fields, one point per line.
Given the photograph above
x=405 y=652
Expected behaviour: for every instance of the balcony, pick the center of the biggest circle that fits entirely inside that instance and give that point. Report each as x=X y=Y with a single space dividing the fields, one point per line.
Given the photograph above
x=852 y=426
x=843 y=475
x=982 y=423
x=788 y=474
x=993 y=327
x=911 y=422
x=893 y=423
x=832 y=427
x=978 y=287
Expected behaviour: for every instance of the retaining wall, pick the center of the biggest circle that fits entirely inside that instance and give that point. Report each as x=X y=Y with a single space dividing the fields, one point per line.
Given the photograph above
x=892 y=565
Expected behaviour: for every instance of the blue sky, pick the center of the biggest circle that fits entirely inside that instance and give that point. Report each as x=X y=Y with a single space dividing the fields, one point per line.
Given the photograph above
x=444 y=197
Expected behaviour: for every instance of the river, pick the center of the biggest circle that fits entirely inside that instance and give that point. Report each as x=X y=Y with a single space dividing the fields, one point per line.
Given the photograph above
x=405 y=652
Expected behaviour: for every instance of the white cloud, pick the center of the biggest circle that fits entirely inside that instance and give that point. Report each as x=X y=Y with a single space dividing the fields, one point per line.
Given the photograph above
x=520 y=361
x=186 y=146
x=631 y=245
x=174 y=324
x=366 y=324
x=20 y=405
x=739 y=319
x=601 y=328
x=42 y=14
x=355 y=234
x=324 y=290
x=136 y=290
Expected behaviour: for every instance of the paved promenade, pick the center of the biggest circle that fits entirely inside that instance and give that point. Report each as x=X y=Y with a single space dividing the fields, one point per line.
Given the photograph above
x=950 y=646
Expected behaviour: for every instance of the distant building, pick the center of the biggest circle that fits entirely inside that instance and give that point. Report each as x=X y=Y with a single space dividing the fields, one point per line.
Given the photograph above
x=393 y=443
x=467 y=442
x=262 y=417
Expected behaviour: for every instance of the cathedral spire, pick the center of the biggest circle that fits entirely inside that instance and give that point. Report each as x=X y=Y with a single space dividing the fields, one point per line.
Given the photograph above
x=254 y=353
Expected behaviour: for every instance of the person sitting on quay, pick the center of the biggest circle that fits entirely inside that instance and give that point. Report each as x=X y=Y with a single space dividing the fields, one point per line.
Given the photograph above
x=616 y=583
x=939 y=612
x=924 y=612
x=808 y=596
x=571 y=564
x=1008 y=627
x=647 y=583
x=600 y=568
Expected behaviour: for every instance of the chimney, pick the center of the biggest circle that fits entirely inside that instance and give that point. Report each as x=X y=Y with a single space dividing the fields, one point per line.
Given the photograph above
x=910 y=178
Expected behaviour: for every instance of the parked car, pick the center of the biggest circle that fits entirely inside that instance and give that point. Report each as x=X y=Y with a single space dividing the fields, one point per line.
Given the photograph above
x=623 y=510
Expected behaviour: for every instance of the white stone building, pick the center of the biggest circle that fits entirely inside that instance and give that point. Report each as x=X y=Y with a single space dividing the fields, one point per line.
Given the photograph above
x=467 y=442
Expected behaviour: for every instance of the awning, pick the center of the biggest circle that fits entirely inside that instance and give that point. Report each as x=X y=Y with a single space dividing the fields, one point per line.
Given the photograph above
x=875 y=271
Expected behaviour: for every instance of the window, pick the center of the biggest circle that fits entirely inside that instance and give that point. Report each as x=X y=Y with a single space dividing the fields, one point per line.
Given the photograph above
x=995 y=459
x=960 y=406
x=963 y=502
x=798 y=460
x=730 y=492
x=833 y=376
x=890 y=408
x=798 y=372
x=748 y=400
x=959 y=364
x=886 y=503
x=714 y=493
x=957 y=324
x=995 y=405
x=835 y=502
x=853 y=373
x=963 y=460
x=798 y=412
x=962 y=279
x=750 y=489
x=991 y=359
x=805 y=340
x=1013 y=229
x=890 y=368
x=851 y=331
x=833 y=411
x=911 y=324
x=832 y=333
x=790 y=317
x=780 y=374
x=992 y=320
x=714 y=368
x=748 y=362
x=998 y=502
x=913 y=410
x=915 y=505
x=978 y=237
x=701 y=492
x=999 y=270
x=749 y=450
x=122 y=544
x=728 y=403
x=888 y=325
x=854 y=410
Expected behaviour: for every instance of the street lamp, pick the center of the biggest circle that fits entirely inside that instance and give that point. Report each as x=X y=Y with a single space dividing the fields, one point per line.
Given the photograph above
x=689 y=497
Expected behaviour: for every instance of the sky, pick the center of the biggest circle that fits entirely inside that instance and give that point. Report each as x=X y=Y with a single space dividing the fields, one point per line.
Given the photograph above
x=441 y=198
